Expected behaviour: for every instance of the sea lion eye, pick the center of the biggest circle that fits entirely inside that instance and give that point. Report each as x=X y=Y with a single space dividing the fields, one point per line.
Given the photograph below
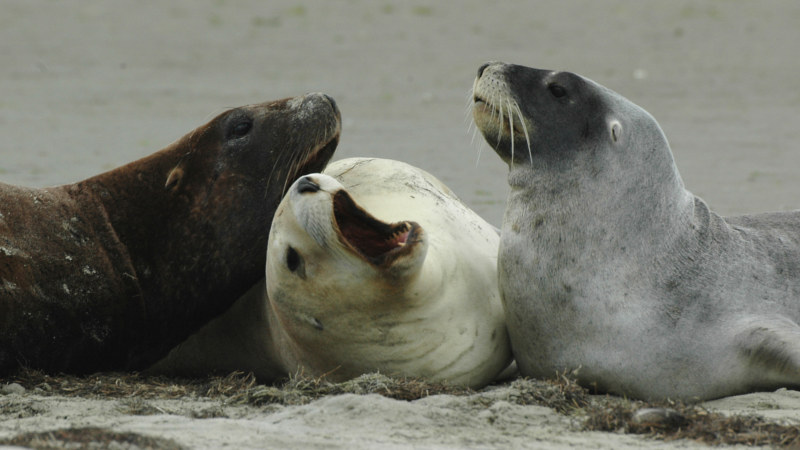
x=293 y=259
x=558 y=91
x=241 y=128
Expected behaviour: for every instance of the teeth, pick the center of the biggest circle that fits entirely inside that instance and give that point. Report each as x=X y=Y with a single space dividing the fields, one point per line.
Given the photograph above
x=397 y=233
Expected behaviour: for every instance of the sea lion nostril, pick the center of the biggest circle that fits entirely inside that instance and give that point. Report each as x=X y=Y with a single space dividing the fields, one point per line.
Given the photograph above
x=330 y=100
x=307 y=185
x=482 y=68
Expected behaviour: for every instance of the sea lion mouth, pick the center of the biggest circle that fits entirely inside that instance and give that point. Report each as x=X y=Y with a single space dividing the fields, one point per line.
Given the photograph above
x=315 y=161
x=378 y=242
x=323 y=114
x=508 y=118
x=319 y=157
x=501 y=121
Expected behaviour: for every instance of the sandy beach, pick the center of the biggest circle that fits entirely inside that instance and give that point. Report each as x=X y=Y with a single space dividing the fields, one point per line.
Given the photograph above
x=87 y=86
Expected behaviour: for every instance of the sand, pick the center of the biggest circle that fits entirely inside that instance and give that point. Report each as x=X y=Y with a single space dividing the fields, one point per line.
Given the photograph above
x=133 y=410
x=87 y=86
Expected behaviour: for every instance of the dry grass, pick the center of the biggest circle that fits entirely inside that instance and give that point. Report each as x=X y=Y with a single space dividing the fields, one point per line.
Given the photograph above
x=299 y=390
x=669 y=421
x=123 y=385
x=236 y=388
x=561 y=394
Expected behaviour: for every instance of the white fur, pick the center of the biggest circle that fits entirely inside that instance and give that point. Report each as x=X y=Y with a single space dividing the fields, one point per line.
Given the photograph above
x=434 y=314
x=438 y=316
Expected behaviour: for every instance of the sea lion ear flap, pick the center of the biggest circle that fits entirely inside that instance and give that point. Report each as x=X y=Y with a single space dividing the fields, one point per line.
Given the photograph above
x=615 y=129
x=174 y=178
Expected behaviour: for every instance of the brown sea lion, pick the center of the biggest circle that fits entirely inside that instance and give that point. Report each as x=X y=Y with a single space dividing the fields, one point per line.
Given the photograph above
x=113 y=271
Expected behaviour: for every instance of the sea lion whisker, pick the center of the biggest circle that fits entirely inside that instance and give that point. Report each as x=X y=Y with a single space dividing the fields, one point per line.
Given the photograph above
x=471 y=126
x=293 y=170
x=470 y=105
x=478 y=159
x=499 y=123
x=493 y=104
x=269 y=179
x=511 y=126
x=524 y=129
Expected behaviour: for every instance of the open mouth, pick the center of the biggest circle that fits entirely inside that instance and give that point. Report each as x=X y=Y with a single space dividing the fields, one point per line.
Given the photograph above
x=378 y=242
x=319 y=158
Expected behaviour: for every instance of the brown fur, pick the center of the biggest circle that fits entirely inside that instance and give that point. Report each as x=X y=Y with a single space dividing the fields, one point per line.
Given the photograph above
x=113 y=271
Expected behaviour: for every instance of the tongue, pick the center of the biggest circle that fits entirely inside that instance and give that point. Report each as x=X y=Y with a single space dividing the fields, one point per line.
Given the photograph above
x=401 y=238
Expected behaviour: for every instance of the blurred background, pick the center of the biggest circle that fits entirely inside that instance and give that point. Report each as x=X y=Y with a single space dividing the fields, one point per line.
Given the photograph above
x=86 y=86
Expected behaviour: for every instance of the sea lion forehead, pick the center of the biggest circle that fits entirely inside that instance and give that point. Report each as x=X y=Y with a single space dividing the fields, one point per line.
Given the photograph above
x=530 y=77
x=295 y=105
x=540 y=76
x=254 y=110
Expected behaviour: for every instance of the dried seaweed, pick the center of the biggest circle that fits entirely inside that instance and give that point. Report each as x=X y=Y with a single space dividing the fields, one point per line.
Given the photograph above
x=665 y=421
x=89 y=438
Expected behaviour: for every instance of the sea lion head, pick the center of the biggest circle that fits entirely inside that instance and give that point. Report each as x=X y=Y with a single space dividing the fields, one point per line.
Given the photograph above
x=336 y=275
x=233 y=173
x=268 y=144
x=578 y=154
x=560 y=122
x=230 y=181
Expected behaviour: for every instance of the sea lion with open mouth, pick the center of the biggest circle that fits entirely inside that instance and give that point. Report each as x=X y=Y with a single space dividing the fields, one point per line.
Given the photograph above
x=373 y=266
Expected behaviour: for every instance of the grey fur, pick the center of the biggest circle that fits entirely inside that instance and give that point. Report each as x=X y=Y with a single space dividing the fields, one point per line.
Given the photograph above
x=608 y=264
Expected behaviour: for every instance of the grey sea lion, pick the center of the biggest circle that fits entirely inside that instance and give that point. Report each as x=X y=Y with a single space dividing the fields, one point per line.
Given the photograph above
x=607 y=264
x=373 y=266
x=113 y=271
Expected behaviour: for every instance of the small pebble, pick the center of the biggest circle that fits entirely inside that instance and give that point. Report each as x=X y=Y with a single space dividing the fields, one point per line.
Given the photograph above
x=663 y=417
x=12 y=388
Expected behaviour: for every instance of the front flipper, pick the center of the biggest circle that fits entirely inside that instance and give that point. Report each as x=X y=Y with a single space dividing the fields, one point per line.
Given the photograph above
x=772 y=343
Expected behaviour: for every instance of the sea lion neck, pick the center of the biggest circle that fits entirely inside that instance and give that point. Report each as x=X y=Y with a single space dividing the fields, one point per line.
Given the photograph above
x=158 y=236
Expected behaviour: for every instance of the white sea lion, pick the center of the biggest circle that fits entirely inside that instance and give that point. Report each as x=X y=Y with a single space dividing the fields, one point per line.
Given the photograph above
x=608 y=264
x=373 y=266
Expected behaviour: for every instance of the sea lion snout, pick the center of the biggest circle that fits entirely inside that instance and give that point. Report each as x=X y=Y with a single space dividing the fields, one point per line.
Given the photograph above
x=482 y=68
x=307 y=185
x=312 y=101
